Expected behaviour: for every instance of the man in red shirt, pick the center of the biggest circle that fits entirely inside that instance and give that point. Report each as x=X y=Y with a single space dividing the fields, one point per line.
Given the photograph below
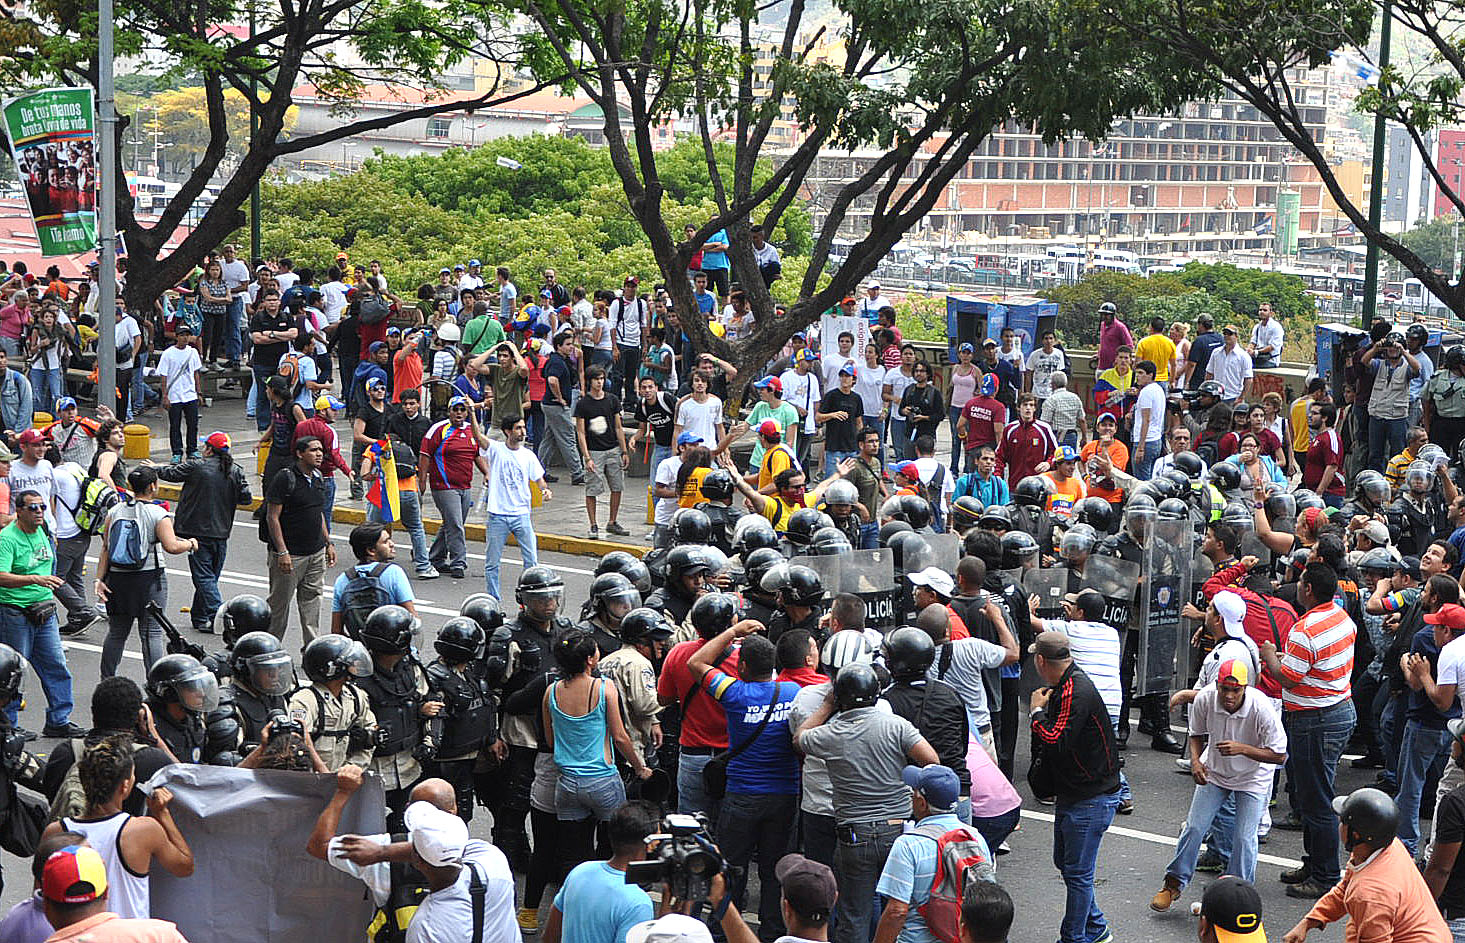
x=1323 y=469
x=319 y=425
x=704 y=723
x=1027 y=443
x=982 y=420
x=1257 y=622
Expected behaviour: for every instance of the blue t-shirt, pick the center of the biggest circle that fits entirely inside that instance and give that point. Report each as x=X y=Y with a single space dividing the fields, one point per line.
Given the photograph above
x=769 y=766
x=909 y=871
x=598 y=906
x=715 y=260
x=706 y=302
x=309 y=373
x=393 y=580
x=1421 y=709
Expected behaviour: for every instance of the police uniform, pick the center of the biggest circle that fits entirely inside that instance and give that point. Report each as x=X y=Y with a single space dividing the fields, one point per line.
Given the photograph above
x=252 y=711
x=782 y=622
x=222 y=733
x=1417 y=525
x=759 y=607
x=330 y=721
x=723 y=518
x=468 y=722
x=1154 y=708
x=668 y=600
x=1036 y=523
x=397 y=695
x=635 y=678
x=606 y=639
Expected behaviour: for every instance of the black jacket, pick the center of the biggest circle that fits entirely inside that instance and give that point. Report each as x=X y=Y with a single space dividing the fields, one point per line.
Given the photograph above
x=210 y=495
x=936 y=710
x=1073 y=742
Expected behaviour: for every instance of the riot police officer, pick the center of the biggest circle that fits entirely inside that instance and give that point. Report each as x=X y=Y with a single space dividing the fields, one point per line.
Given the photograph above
x=618 y=561
x=181 y=693
x=842 y=502
x=241 y=615
x=332 y=709
x=632 y=669
x=800 y=595
x=1417 y=517
x=759 y=604
x=1030 y=513
x=469 y=720
x=611 y=597
x=17 y=767
x=398 y=691
x=687 y=568
x=722 y=517
x=262 y=677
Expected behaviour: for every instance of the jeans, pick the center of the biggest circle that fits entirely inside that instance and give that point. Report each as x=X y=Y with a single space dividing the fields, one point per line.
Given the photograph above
x=41 y=646
x=212 y=341
x=818 y=836
x=177 y=413
x=1391 y=716
x=71 y=567
x=1078 y=827
x=869 y=536
x=11 y=346
x=534 y=424
x=1421 y=750
x=124 y=394
x=758 y=825
x=46 y=388
x=560 y=436
x=832 y=459
x=1315 y=741
x=692 y=794
x=449 y=550
x=1145 y=463
x=259 y=398
x=995 y=828
x=953 y=413
x=130 y=592
x=305 y=581
x=496 y=537
x=577 y=798
x=328 y=504
x=1205 y=805
x=878 y=424
x=1385 y=440
x=205 y=564
x=859 y=857
x=659 y=454
x=1457 y=929
x=411 y=508
x=233 y=328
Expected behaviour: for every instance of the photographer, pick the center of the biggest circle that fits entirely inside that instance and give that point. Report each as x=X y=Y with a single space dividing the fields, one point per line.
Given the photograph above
x=595 y=903
x=117 y=707
x=284 y=745
x=809 y=894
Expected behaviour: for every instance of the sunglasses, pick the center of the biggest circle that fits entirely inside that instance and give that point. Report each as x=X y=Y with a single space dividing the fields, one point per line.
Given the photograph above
x=33 y=507
x=457 y=409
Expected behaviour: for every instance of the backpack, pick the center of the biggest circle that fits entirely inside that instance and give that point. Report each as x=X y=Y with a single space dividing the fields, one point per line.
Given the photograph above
x=374 y=309
x=362 y=596
x=290 y=369
x=98 y=497
x=960 y=857
x=127 y=549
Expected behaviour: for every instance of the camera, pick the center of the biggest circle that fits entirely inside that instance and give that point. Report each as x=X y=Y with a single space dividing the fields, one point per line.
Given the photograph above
x=683 y=858
x=282 y=723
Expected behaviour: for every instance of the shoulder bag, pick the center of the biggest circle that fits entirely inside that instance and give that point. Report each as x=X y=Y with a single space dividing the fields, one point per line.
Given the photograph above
x=714 y=774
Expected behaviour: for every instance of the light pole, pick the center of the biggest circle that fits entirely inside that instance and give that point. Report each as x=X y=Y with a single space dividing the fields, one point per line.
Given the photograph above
x=107 y=213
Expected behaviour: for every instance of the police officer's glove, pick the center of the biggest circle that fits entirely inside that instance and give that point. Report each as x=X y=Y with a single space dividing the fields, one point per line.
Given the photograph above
x=425 y=750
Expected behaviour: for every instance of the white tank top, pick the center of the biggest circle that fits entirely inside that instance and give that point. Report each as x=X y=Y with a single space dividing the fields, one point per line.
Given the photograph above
x=127 y=891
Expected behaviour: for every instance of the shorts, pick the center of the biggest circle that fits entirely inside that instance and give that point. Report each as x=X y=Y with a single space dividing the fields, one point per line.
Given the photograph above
x=577 y=798
x=608 y=471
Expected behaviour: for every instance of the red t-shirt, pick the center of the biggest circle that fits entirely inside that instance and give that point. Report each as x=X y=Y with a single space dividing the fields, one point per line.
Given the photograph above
x=451 y=452
x=704 y=723
x=1325 y=450
x=980 y=412
x=1231 y=443
x=1025 y=446
x=537 y=383
x=406 y=372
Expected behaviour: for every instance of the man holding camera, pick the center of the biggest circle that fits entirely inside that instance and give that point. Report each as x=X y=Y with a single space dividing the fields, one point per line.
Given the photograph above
x=596 y=904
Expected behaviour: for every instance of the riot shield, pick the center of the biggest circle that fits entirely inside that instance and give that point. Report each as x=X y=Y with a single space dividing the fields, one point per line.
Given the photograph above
x=1049 y=584
x=828 y=568
x=1165 y=579
x=945 y=551
x=870 y=575
x=1115 y=579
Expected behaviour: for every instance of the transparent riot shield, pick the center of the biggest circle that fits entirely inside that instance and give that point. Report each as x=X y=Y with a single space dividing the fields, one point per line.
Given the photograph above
x=870 y=575
x=1165 y=579
x=1201 y=570
x=1115 y=579
x=828 y=568
x=945 y=551
x=1049 y=584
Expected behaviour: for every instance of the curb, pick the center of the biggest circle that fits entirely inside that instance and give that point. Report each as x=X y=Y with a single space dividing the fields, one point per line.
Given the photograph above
x=556 y=543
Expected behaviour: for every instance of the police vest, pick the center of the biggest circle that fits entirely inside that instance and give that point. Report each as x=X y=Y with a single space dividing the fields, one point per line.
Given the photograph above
x=253 y=712
x=185 y=740
x=396 y=703
x=406 y=889
x=469 y=709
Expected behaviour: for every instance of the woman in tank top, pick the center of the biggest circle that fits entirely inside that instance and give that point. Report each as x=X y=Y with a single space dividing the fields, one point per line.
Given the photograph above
x=964 y=376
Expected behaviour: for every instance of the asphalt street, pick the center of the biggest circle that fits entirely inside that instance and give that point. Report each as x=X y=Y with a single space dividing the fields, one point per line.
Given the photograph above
x=1131 y=863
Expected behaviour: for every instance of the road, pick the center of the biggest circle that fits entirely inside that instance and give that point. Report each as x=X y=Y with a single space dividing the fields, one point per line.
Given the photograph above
x=1131 y=864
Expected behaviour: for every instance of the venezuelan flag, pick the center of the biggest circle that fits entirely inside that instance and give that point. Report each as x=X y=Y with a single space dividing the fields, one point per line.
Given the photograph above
x=383 y=493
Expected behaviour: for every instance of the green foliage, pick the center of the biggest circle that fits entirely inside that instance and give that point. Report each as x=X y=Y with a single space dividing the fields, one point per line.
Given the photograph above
x=1078 y=304
x=1244 y=289
x=922 y=318
x=1435 y=241
x=1182 y=308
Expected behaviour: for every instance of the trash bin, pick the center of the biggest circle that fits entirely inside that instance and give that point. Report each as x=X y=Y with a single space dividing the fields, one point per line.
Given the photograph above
x=40 y=420
x=138 y=442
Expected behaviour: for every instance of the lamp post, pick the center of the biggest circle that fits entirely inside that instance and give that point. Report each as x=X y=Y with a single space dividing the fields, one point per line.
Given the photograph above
x=107 y=213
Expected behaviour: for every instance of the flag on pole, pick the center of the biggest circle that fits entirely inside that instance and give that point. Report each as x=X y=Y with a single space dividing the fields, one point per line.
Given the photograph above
x=383 y=493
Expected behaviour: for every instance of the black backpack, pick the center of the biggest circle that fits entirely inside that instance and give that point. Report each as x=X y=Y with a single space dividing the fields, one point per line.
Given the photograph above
x=362 y=596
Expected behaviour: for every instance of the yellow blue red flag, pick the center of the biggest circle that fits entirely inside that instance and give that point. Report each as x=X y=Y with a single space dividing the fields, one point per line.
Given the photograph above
x=383 y=493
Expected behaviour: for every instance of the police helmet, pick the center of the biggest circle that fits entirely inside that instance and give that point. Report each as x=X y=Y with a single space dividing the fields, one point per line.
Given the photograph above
x=753 y=532
x=1139 y=511
x=916 y=510
x=538 y=583
x=184 y=680
x=1373 y=486
x=1172 y=509
x=1212 y=388
x=1417 y=332
x=1017 y=548
x=1096 y=512
x=388 y=630
x=889 y=529
x=1180 y=480
x=1032 y=491
x=617 y=561
x=829 y=542
x=856 y=686
x=713 y=613
x=259 y=660
x=1418 y=476
x=481 y=608
x=966 y=511
x=611 y=594
x=845 y=647
x=909 y=552
x=841 y=492
x=775 y=578
x=1238 y=514
x=643 y=626
x=1280 y=506
x=460 y=639
x=1454 y=357
x=909 y=652
x=1078 y=540
x=691 y=526
x=1188 y=464
x=758 y=563
x=804 y=588
x=1433 y=456
x=243 y=614
x=1369 y=815
x=718 y=485
x=1378 y=560
x=1159 y=488
x=996 y=517
x=332 y=657
x=801 y=526
x=1306 y=498
x=1226 y=476
x=12 y=673
x=686 y=561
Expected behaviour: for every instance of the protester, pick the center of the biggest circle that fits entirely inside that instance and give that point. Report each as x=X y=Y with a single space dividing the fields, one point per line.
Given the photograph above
x=300 y=547
x=80 y=901
x=449 y=452
x=214 y=487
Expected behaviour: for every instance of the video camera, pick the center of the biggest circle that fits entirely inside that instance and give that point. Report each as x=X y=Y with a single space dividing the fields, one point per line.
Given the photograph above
x=282 y=723
x=683 y=858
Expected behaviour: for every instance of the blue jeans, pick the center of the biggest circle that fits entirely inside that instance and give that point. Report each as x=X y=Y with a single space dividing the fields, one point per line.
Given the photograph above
x=691 y=791
x=411 y=508
x=1315 y=742
x=496 y=537
x=1421 y=751
x=996 y=828
x=577 y=798
x=953 y=413
x=205 y=564
x=1205 y=807
x=659 y=454
x=1078 y=827
x=41 y=646
x=1385 y=440
x=832 y=459
x=233 y=330
x=859 y=857
x=259 y=398
x=1391 y=716
x=46 y=388
x=869 y=535
x=1145 y=463
x=900 y=441
x=758 y=825
x=329 y=503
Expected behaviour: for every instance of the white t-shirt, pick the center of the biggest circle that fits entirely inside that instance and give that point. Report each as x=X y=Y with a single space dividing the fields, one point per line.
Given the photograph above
x=1232 y=647
x=927 y=469
x=509 y=474
x=1095 y=648
x=626 y=318
x=666 y=474
x=67 y=480
x=40 y=478
x=1042 y=366
x=333 y=300
x=1256 y=723
x=605 y=342
x=1451 y=665
x=869 y=383
x=177 y=367
x=446 y=916
x=236 y=273
x=969 y=656
x=126 y=333
x=832 y=366
x=1151 y=400
x=466 y=281
x=802 y=392
x=701 y=419
x=286 y=281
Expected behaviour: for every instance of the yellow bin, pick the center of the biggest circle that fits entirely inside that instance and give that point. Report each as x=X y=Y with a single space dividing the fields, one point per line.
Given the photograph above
x=138 y=441
x=41 y=420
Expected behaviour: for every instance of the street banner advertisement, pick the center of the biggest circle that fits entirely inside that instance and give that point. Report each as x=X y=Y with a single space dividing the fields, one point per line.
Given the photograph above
x=54 y=148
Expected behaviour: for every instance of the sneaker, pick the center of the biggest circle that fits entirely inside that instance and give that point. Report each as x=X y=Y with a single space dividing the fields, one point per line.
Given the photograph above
x=552 y=479
x=1126 y=807
x=1371 y=760
x=27 y=735
x=594 y=532
x=66 y=730
x=615 y=528
x=458 y=572
x=1294 y=875
x=1004 y=849
x=577 y=481
x=1047 y=800
x=1167 y=896
x=177 y=458
x=1210 y=863
x=1106 y=937
x=528 y=920
x=430 y=573
x=1308 y=890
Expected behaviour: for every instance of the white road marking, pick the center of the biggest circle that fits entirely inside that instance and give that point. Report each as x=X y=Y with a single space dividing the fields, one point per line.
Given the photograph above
x=1151 y=837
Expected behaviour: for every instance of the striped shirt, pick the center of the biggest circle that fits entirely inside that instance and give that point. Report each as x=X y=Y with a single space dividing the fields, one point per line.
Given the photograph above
x=1096 y=648
x=1318 y=659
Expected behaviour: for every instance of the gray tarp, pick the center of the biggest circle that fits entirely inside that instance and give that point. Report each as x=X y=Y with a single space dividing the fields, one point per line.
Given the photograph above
x=252 y=880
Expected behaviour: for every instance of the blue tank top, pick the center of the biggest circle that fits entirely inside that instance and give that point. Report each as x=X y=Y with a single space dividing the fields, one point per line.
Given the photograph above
x=580 y=742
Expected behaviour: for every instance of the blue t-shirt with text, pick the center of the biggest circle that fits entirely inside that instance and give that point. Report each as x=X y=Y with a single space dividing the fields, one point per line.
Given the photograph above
x=769 y=765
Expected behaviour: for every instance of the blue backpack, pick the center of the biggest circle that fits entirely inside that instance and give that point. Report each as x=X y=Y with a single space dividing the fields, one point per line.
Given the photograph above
x=126 y=546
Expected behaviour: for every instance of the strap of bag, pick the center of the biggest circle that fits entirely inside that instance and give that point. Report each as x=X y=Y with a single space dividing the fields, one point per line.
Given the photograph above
x=945 y=662
x=758 y=731
x=478 y=891
x=1271 y=620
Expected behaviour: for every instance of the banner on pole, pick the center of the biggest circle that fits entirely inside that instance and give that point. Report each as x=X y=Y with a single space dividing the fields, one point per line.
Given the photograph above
x=53 y=144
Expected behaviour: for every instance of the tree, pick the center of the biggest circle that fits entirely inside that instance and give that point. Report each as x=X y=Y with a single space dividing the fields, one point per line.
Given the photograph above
x=1245 y=289
x=1257 y=50
x=1078 y=304
x=1436 y=242
x=337 y=46
x=915 y=88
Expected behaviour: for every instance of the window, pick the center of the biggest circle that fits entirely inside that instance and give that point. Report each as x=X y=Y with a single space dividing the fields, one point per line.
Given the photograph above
x=438 y=127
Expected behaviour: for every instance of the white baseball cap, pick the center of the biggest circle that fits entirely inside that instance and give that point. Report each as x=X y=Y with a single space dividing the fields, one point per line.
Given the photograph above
x=1232 y=609
x=936 y=578
x=672 y=928
x=438 y=837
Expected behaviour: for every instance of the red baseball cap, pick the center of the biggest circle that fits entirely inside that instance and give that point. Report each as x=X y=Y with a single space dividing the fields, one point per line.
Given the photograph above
x=74 y=875
x=768 y=429
x=769 y=383
x=1450 y=615
x=31 y=437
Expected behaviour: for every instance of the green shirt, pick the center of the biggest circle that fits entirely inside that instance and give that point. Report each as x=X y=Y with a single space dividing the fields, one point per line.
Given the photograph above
x=866 y=479
x=509 y=392
x=483 y=334
x=27 y=555
x=785 y=415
